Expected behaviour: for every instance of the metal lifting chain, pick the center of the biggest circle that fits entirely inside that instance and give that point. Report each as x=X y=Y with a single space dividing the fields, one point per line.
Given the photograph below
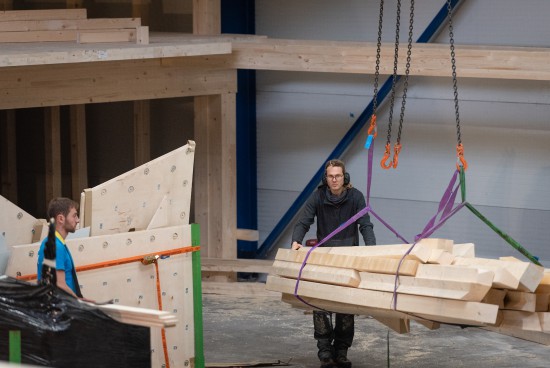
x=394 y=78
x=397 y=148
x=372 y=128
x=459 y=146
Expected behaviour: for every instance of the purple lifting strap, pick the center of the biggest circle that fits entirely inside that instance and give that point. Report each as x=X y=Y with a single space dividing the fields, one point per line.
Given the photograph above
x=446 y=210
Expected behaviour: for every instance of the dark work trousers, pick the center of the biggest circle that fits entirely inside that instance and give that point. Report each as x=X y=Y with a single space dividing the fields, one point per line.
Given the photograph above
x=333 y=340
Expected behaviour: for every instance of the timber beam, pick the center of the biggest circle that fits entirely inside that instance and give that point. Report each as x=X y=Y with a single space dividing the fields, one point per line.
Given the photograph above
x=71 y=84
x=262 y=53
x=431 y=60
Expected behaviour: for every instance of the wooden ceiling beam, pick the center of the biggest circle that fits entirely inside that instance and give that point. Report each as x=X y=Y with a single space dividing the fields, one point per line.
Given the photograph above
x=431 y=60
x=71 y=84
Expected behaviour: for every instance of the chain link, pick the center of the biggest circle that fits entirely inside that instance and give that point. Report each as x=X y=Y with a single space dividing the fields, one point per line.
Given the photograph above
x=407 y=71
x=394 y=78
x=453 y=65
x=378 y=48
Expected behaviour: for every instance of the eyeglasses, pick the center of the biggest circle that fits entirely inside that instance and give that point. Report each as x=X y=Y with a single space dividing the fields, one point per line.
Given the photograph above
x=335 y=177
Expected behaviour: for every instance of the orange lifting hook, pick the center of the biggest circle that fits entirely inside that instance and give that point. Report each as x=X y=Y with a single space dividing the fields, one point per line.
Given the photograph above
x=386 y=157
x=372 y=126
x=460 y=157
x=396 y=150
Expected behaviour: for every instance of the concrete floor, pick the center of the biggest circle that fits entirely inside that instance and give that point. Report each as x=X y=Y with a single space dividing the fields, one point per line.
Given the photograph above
x=247 y=329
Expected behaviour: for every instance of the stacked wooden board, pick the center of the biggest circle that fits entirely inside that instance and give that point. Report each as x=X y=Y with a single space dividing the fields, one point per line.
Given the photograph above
x=437 y=282
x=61 y=25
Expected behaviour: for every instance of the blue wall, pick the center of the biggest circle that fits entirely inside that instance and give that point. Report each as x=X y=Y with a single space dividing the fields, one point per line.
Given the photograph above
x=237 y=17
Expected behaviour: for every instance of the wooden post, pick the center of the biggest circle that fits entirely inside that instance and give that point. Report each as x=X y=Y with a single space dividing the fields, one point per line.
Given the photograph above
x=215 y=174
x=142 y=132
x=6 y=4
x=140 y=9
x=142 y=109
x=215 y=159
x=8 y=155
x=52 y=153
x=75 y=4
x=206 y=17
x=79 y=153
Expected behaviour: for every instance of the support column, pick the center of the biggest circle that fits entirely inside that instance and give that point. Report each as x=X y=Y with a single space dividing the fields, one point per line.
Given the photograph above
x=206 y=17
x=140 y=9
x=79 y=151
x=8 y=155
x=142 y=132
x=215 y=185
x=52 y=153
x=74 y=4
x=6 y=4
x=215 y=181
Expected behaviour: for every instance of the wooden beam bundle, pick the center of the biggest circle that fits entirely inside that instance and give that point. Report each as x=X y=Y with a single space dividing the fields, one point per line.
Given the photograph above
x=64 y=25
x=507 y=295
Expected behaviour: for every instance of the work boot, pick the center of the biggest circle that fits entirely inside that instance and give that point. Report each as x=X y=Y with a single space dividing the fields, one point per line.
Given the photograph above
x=342 y=360
x=327 y=363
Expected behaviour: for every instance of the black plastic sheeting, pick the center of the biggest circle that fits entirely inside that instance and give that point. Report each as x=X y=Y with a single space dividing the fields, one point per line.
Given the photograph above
x=59 y=331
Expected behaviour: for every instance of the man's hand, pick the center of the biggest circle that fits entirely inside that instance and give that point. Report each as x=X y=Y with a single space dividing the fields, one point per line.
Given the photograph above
x=295 y=246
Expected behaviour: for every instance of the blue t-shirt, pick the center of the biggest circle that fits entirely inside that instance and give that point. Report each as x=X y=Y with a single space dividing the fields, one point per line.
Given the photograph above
x=63 y=260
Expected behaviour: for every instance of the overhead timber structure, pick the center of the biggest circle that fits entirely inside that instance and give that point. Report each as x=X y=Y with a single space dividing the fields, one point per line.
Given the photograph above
x=202 y=65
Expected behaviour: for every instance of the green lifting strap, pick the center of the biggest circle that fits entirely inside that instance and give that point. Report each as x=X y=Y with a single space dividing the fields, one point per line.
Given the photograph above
x=502 y=234
x=197 y=297
x=15 y=346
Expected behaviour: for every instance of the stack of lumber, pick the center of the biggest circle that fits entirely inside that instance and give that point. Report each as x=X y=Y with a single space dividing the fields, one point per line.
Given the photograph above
x=138 y=316
x=437 y=282
x=61 y=25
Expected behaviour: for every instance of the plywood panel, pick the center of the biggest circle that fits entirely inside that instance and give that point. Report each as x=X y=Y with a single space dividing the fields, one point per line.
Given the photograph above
x=16 y=225
x=105 y=248
x=130 y=200
x=134 y=285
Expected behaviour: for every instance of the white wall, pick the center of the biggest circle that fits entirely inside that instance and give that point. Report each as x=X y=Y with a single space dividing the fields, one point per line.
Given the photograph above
x=505 y=125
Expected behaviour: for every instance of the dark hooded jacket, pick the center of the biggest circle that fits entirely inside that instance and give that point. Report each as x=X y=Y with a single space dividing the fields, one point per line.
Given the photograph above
x=332 y=212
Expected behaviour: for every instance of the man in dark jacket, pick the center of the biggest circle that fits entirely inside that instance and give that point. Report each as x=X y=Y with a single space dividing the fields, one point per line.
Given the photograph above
x=333 y=203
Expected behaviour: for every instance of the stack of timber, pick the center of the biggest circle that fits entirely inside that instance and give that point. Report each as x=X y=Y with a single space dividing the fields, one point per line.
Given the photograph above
x=437 y=282
x=62 y=25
